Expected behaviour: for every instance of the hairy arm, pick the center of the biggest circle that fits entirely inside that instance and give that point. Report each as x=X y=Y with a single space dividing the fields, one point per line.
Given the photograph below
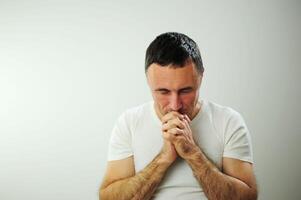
x=237 y=181
x=140 y=186
x=220 y=186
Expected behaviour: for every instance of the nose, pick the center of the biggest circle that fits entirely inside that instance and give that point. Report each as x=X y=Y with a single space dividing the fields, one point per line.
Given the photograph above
x=175 y=103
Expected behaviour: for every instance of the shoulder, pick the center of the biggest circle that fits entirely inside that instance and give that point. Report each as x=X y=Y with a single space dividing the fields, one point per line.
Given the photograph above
x=137 y=111
x=224 y=117
x=221 y=111
x=132 y=115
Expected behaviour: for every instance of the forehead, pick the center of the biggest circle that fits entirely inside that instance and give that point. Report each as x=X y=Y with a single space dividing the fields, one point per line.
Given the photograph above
x=172 y=77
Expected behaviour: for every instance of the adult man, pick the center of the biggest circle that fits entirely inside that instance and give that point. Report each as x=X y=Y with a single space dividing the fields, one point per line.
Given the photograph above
x=177 y=146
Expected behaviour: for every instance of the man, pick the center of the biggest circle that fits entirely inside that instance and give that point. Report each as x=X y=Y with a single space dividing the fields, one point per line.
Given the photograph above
x=177 y=146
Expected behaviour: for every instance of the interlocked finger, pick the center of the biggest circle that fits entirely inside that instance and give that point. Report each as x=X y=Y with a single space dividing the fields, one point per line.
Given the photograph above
x=176 y=131
x=171 y=115
x=173 y=123
x=169 y=136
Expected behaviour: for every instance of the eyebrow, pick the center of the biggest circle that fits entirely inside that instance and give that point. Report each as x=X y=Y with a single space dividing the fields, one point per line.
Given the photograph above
x=161 y=89
x=164 y=89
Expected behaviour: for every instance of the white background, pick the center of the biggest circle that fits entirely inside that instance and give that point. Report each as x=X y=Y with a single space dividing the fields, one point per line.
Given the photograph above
x=69 y=68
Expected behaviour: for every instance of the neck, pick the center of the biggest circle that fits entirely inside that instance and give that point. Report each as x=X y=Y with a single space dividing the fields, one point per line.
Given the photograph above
x=197 y=109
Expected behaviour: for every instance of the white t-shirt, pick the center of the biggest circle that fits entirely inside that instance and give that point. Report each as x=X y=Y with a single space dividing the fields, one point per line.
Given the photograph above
x=219 y=132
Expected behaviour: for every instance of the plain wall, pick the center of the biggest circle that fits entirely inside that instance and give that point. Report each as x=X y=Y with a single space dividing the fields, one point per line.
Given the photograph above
x=69 y=68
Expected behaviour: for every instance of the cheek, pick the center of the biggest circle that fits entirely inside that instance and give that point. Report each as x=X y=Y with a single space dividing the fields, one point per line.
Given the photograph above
x=189 y=100
x=161 y=100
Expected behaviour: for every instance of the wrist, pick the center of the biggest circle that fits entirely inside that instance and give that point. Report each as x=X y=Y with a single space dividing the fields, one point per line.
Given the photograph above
x=163 y=159
x=193 y=154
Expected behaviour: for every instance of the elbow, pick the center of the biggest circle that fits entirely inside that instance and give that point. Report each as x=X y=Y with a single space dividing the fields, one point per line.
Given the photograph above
x=250 y=194
x=102 y=194
x=253 y=194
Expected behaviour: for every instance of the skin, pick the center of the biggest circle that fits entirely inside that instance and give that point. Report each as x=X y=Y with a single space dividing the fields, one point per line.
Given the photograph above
x=175 y=92
x=175 y=89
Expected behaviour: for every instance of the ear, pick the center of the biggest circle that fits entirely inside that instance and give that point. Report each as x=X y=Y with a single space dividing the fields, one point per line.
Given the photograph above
x=201 y=79
x=147 y=77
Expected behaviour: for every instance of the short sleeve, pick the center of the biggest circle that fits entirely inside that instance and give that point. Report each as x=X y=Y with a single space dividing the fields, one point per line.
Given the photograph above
x=120 y=142
x=238 y=143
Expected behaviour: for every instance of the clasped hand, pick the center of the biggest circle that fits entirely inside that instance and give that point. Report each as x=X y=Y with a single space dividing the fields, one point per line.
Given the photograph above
x=177 y=134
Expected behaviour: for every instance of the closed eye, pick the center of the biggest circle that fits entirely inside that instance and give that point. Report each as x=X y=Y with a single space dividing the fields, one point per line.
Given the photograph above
x=162 y=91
x=185 y=90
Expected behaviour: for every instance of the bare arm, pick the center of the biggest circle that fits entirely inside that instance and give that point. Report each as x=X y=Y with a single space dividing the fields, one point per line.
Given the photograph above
x=218 y=185
x=237 y=180
x=139 y=186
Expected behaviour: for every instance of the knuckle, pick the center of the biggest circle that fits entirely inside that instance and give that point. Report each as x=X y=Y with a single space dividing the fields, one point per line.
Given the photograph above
x=171 y=131
x=182 y=124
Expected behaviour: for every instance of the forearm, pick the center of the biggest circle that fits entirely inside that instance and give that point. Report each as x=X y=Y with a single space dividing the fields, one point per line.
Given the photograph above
x=215 y=184
x=141 y=186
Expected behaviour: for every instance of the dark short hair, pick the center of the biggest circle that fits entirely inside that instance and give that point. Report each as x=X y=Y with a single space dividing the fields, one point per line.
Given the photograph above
x=175 y=49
